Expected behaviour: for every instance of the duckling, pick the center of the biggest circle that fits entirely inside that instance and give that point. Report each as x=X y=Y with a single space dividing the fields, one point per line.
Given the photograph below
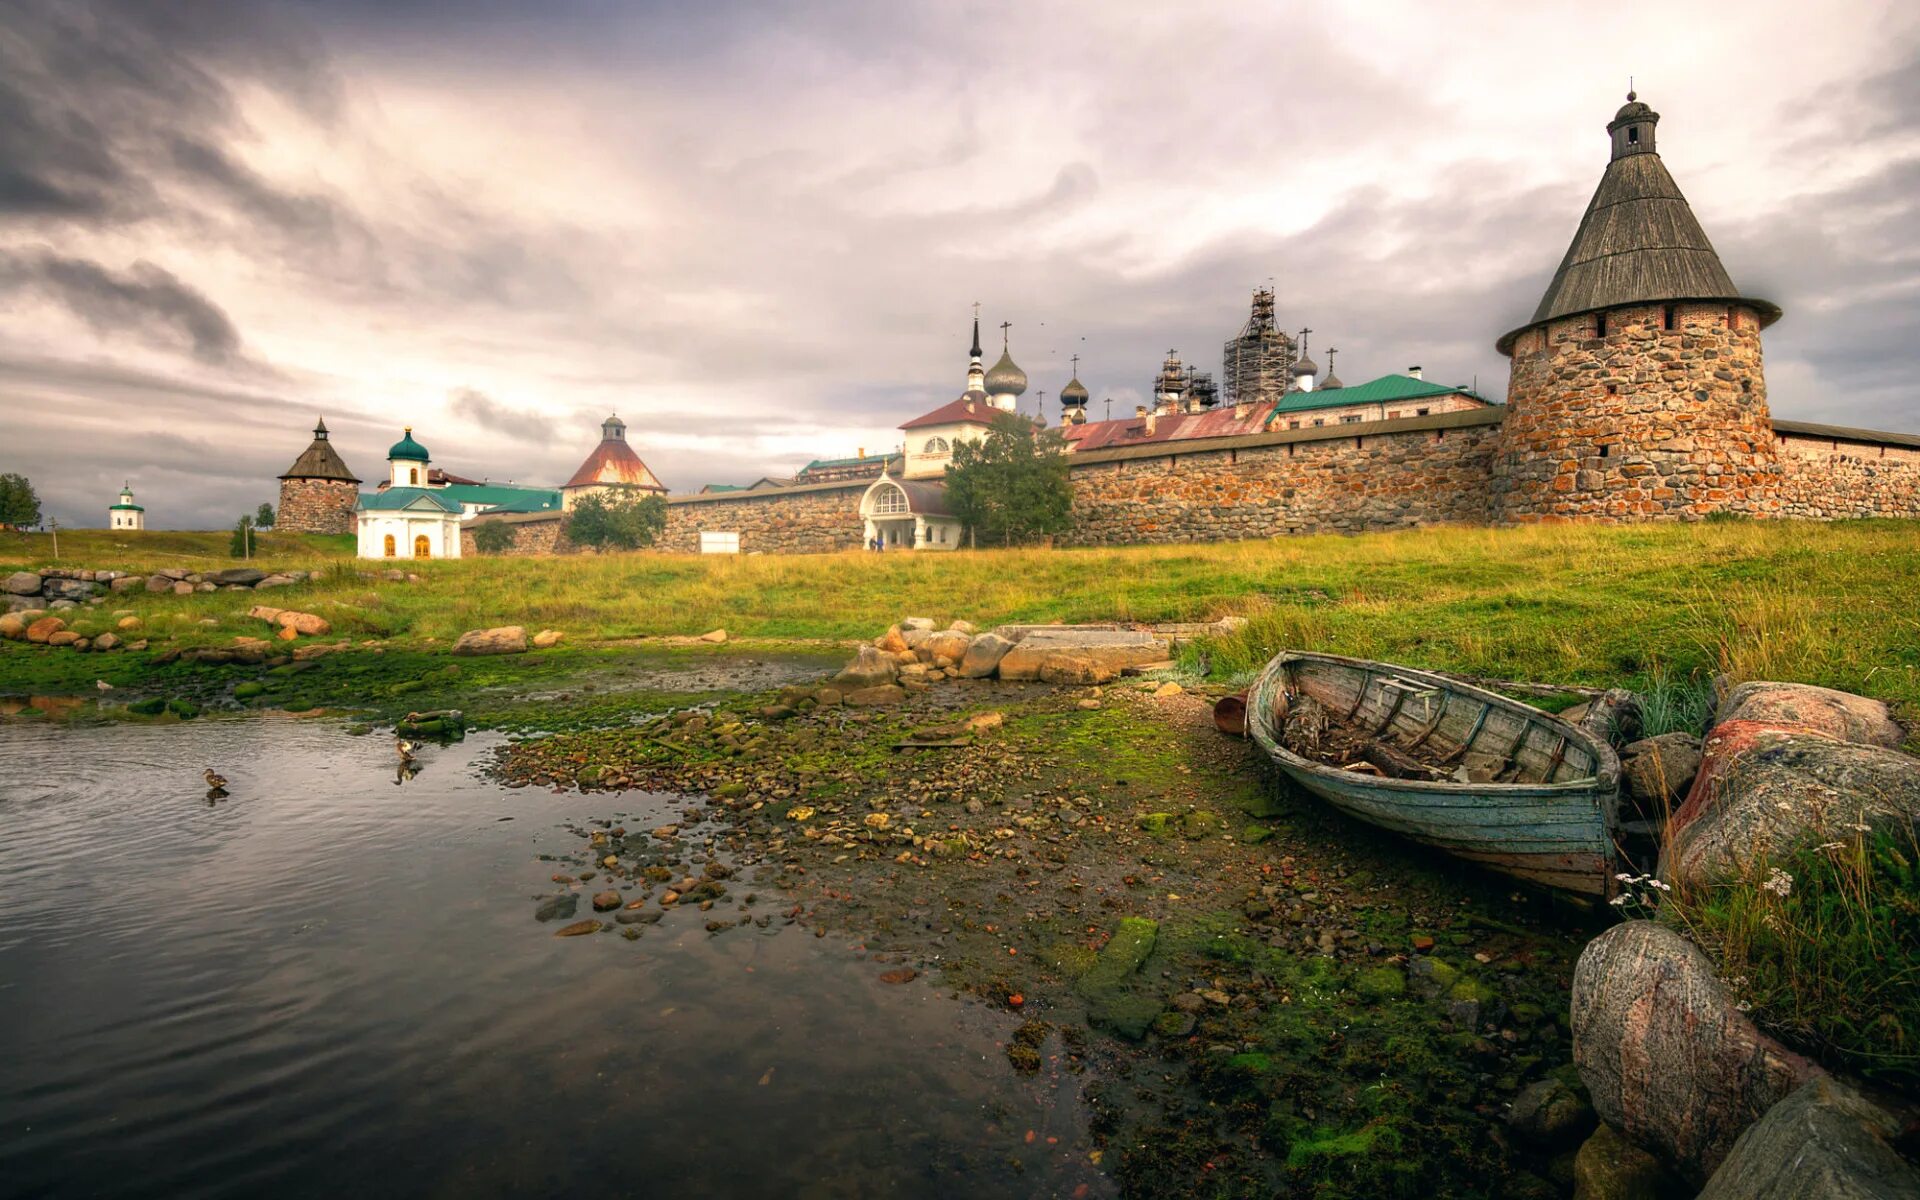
x=215 y=780
x=405 y=749
x=103 y=685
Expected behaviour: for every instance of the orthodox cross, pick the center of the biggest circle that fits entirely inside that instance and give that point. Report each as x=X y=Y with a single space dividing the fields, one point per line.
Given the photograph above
x=1040 y=402
x=1330 y=353
x=1076 y=366
x=976 y=310
x=1004 y=326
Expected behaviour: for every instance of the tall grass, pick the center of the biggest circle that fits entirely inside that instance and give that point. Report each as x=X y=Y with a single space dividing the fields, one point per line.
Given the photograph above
x=1825 y=951
x=1594 y=605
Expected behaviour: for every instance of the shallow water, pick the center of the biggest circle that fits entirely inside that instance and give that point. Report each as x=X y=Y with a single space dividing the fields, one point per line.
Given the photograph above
x=331 y=982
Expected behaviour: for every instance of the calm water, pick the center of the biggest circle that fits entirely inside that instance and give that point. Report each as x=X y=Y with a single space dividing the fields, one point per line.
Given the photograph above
x=333 y=983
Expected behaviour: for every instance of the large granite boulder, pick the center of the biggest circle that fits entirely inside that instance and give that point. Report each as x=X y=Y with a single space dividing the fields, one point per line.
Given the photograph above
x=1659 y=770
x=70 y=589
x=1763 y=792
x=159 y=583
x=1667 y=1058
x=946 y=644
x=1823 y=1142
x=1114 y=649
x=503 y=639
x=871 y=667
x=242 y=576
x=313 y=625
x=983 y=655
x=1074 y=670
x=44 y=628
x=1550 y=1113
x=1822 y=710
x=13 y=627
x=21 y=583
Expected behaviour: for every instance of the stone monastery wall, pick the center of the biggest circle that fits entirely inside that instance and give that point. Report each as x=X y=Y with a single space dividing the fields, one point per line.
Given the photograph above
x=1830 y=479
x=1421 y=471
x=810 y=519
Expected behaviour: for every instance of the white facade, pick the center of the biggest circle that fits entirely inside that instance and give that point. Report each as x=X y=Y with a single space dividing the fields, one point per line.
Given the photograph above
x=929 y=449
x=900 y=518
x=425 y=532
x=126 y=514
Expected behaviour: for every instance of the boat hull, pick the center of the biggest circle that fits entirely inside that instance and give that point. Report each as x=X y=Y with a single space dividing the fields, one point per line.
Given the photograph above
x=1556 y=834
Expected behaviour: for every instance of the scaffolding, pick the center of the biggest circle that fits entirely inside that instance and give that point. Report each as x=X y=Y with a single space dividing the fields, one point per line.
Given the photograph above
x=1258 y=362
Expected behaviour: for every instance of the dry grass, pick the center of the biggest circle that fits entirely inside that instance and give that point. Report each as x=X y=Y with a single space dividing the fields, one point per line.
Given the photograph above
x=1826 y=604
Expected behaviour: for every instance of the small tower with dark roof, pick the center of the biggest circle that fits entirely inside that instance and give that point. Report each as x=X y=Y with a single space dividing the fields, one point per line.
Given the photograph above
x=1637 y=389
x=1073 y=398
x=317 y=493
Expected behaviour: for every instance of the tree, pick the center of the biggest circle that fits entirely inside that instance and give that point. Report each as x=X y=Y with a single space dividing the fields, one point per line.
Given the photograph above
x=240 y=546
x=263 y=518
x=616 y=521
x=1010 y=488
x=492 y=537
x=19 y=505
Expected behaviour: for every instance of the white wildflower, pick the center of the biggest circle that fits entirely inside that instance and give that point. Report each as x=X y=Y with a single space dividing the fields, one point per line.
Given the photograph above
x=1743 y=1006
x=1779 y=883
x=1619 y=901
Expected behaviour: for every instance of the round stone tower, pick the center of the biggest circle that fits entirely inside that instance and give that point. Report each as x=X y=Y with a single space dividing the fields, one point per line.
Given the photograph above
x=1637 y=391
x=317 y=494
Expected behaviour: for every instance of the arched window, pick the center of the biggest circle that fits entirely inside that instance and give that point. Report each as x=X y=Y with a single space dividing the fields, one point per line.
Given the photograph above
x=413 y=476
x=390 y=547
x=422 y=548
x=937 y=446
x=890 y=500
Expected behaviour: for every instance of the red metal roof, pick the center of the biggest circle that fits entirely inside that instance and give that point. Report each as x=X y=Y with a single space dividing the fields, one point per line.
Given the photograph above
x=1174 y=427
x=955 y=411
x=613 y=461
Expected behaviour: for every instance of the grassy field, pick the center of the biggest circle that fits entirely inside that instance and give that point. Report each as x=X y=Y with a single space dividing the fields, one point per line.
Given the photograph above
x=1827 y=604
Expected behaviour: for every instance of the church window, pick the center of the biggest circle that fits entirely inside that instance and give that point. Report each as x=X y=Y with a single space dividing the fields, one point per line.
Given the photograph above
x=413 y=476
x=1667 y=319
x=1600 y=325
x=1421 y=412
x=1293 y=424
x=937 y=446
x=1633 y=135
x=890 y=500
x=390 y=546
x=422 y=548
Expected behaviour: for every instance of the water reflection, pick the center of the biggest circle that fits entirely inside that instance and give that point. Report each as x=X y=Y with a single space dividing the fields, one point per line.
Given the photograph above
x=312 y=983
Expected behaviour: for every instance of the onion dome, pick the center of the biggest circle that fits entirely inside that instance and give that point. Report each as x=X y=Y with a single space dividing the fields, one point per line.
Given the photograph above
x=1074 y=395
x=1332 y=380
x=1305 y=366
x=407 y=448
x=1005 y=378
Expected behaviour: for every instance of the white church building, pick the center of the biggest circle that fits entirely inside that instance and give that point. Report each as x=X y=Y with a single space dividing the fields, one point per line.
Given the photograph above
x=126 y=514
x=408 y=518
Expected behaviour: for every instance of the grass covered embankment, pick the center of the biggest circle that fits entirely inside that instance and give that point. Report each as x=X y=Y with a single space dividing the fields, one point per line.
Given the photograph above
x=1824 y=604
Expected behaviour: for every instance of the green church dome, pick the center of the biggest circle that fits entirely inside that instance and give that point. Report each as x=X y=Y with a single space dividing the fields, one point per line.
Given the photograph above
x=406 y=447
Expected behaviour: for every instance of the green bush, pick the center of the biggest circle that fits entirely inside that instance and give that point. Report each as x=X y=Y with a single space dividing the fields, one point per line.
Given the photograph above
x=492 y=537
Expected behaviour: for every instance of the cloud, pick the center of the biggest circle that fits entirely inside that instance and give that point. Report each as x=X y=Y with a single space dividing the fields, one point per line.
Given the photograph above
x=756 y=231
x=522 y=425
x=144 y=300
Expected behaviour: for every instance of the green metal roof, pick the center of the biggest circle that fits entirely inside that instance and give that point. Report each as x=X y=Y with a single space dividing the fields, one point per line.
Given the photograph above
x=1387 y=389
x=396 y=499
x=125 y=508
x=531 y=502
x=817 y=463
x=407 y=448
x=493 y=495
x=711 y=488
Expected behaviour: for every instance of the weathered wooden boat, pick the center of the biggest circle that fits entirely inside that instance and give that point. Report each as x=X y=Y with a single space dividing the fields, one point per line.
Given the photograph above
x=1463 y=769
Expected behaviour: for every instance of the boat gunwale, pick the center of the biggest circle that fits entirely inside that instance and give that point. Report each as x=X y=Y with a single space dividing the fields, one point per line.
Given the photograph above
x=1604 y=780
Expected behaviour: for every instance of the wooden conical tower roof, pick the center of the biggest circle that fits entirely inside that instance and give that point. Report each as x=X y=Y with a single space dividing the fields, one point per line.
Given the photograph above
x=1639 y=241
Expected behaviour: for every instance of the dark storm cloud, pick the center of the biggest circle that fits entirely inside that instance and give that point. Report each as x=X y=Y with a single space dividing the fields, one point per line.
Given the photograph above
x=144 y=301
x=476 y=406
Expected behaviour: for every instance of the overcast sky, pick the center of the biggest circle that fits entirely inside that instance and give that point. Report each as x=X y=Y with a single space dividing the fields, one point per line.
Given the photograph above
x=756 y=230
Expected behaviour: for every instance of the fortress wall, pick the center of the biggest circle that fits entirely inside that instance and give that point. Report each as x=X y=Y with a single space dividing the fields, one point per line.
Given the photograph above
x=1828 y=480
x=316 y=506
x=541 y=535
x=1359 y=481
x=811 y=519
